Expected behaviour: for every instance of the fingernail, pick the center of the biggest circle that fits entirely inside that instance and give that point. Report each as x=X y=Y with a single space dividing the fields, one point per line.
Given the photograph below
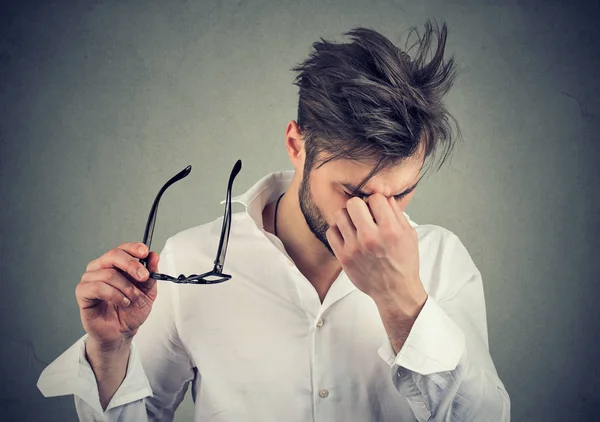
x=126 y=301
x=140 y=302
x=142 y=272
x=142 y=250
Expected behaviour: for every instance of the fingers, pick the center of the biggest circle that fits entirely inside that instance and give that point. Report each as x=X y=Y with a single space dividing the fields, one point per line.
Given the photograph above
x=118 y=277
x=125 y=258
x=92 y=288
x=89 y=294
x=153 y=259
x=397 y=211
x=335 y=239
x=137 y=249
x=345 y=225
x=360 y=214
x=382 y=211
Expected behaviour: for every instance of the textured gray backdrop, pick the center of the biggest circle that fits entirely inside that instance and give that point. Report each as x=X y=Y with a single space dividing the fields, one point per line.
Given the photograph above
x=102 y=101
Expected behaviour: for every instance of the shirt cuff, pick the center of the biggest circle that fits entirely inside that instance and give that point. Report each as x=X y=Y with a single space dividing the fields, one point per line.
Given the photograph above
x=71 y=373
x=435 y=343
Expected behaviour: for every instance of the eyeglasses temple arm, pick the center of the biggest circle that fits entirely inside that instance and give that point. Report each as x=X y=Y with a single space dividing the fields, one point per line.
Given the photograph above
x=223 y=241
x=149 y=231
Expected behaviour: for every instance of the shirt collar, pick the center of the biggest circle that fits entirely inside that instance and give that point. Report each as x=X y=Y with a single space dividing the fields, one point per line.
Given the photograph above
x=266 y=190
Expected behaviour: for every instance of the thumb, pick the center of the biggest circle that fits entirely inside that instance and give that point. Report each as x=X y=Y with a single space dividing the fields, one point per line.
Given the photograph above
x=153 y=259
x=152 y=266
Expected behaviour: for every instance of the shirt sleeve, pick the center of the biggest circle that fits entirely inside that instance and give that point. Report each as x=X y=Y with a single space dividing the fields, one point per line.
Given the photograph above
x=444 y=368
x=158 y=369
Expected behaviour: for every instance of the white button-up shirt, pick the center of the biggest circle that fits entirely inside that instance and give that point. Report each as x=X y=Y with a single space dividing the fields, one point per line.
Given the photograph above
x=262 y=346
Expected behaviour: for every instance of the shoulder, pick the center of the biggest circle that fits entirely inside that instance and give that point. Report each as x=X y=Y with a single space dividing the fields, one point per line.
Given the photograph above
x=202 y=240
x=446 y=265
x=433 y=234
x=442 y=245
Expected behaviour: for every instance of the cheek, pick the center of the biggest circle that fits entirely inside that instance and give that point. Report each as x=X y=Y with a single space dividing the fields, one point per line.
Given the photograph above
x=403 y=203
x=327 y=199
x=317 y=190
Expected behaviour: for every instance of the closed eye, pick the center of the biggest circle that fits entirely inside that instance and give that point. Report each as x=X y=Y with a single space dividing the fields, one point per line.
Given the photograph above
x=348 y=187
x=402 y=195
x=349 y=195
x=396 y=197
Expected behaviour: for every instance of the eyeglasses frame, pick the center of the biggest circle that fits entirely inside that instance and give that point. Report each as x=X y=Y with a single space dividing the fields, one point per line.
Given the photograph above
x=217 y=271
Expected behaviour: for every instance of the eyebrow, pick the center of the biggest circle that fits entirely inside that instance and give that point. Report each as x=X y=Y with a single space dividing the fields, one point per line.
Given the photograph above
x=353 y=189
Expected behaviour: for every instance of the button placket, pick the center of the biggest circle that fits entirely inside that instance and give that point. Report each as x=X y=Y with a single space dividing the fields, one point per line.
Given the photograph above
x=322 y=392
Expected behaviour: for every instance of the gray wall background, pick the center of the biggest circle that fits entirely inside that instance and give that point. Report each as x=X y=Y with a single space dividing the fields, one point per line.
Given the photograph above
x=102 y=101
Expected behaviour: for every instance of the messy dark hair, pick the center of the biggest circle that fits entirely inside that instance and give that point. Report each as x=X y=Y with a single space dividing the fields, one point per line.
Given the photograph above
x=369 y=100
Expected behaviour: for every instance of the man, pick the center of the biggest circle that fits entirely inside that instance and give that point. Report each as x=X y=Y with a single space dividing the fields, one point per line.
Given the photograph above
x=340 y=308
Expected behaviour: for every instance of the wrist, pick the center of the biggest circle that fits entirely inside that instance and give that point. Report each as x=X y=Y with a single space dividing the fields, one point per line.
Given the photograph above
x=107 y=356
x=398 y=315
x=402 y=305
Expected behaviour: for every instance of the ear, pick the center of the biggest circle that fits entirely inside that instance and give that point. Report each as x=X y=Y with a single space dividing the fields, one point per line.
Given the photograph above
x=294 y=144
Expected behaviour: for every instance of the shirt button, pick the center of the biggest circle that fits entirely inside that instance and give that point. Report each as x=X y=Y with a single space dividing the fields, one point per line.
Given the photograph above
x=320 y=323
x=323 y=393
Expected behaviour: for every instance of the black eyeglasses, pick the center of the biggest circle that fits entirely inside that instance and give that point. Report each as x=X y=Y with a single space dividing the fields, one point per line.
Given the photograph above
x=211 y=277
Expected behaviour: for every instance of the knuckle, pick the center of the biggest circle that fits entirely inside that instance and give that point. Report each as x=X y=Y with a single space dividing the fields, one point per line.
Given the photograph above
x=89 y=266
x=114 y=295
x=95 y=288
x=344 y=259
x=350 y=254
x=369 y=242
x=373 y=248
x=133 y=266
x=133 y=293
x=370 y=247
x=87 y=276
x=126 y=245
x=113 y=253
x=390 y=233
x=112 y=275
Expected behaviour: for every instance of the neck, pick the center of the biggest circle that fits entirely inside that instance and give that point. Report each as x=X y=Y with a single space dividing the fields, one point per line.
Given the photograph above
x=310 y=256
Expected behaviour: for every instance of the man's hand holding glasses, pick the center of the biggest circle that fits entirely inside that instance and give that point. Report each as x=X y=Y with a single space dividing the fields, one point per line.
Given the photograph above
x=116 y=293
